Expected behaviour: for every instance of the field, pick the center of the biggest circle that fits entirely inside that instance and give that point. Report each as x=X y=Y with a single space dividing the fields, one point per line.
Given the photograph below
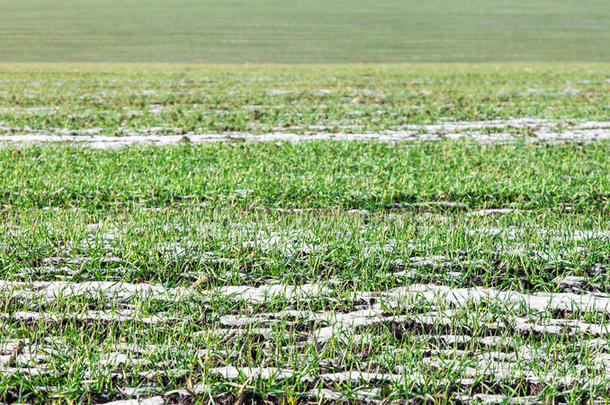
x=304 y=31
x=305 y=234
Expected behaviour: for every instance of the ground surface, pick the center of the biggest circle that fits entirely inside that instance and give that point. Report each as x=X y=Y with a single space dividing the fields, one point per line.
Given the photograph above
x=436 y=233
x=298 y=31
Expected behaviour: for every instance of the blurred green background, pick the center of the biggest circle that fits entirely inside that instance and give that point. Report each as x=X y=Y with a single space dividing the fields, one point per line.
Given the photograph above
x=308 y=31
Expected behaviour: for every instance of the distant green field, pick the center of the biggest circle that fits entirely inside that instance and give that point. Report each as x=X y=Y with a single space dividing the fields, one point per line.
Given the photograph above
x=304 y=30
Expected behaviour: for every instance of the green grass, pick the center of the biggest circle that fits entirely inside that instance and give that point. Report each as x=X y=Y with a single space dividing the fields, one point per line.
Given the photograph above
x=373 y=176
x=312 y=31
x=257 y=99
x=140 y=272
x=206 y=218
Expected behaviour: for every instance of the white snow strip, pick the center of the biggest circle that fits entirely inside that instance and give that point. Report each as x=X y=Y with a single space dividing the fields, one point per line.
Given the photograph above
x=51 y=291
x=538 y=301
x=24 y=371
x=515 y=123
x=355 y=377
x=541 y=130
x=492 y=211
x=123 y=316
x=326 y=394
x=148 y=401
x=273 y=291
x=264 y=373
x=554 y=234
x=495 y=399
